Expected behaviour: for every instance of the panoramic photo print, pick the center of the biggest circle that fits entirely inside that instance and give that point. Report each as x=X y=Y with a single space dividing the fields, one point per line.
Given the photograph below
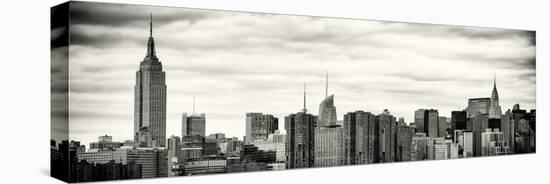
x=147 y=91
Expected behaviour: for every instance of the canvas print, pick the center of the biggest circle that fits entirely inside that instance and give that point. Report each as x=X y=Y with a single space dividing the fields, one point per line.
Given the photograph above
x=147 y=91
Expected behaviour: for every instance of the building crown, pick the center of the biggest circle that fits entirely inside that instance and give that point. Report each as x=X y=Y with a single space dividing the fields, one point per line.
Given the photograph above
x=151 y=53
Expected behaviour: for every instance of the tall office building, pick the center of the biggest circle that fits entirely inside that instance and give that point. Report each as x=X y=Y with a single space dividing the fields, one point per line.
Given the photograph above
x=193 y=125
x=433 y=123
x=300 y=128
x=329 y=137
x=329 y=146
x=300 y=135
x=150 y=99
x=442 y=126
x=427 y=121
x=259 y=126
x=387 y=136
x=479 y=122
x=458 y=121
x=478 y=105
x=327 y=110
x=360 y=138
x=468 y=141
x=507 y=123
x=495 y=112
x=525 y=127
x=404 y=142
x=173 y=150
x=525 y=137
x=420 y=117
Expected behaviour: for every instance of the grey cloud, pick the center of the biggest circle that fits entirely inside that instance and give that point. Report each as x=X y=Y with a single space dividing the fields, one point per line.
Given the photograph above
x=95 y=87
x=121 y=15
x=492 y=33
x=103 y=40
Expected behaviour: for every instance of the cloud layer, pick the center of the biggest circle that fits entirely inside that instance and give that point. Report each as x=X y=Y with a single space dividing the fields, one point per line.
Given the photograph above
x=249 y=62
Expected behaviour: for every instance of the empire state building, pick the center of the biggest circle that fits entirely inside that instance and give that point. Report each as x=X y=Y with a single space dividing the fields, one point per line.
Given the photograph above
x=150 y=99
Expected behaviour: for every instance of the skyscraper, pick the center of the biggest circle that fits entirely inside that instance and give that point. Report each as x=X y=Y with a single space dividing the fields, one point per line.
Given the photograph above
x=507 y=123
x=420 y=117
x=300 y=130
x=259 y=126
x=468 y=142
x=478 y=105
x=193 y=125
x=427 y=121
x=360 y=138
x=404 y=141
x=327 y=111
x=442 y=126
x=432 y=123
x=150 y=99
x=495 y=112
x=329 y=146
x=479 y=122
x=387 y=136
x=458 y=122
x=173 y=150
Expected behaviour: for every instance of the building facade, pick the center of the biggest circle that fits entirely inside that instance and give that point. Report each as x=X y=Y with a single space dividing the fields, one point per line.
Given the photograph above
x=493 y=143
x=154 y=162
x=478 y=105
x=329 y=146
x=479 y=122
x=193 y=125
x=404 y=143
x=387 y=136
x=360 y=138
x=300 y=147
x=427 y=121
x=259 y=126
x=419 y=147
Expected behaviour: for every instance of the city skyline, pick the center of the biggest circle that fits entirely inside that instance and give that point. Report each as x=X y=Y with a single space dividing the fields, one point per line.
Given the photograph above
x=233 y=78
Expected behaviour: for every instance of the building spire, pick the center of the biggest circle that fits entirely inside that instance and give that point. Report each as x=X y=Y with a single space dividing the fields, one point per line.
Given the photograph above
x=305 y=110
x=151 y=25
x=151 y=53
x=494 y=108
x=326 y=85
x=193 y=103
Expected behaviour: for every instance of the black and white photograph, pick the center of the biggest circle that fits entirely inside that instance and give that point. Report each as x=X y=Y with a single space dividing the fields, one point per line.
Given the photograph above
x=149 y=91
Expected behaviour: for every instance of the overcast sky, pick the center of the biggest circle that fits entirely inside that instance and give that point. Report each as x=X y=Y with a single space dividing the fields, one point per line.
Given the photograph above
x=250 y=62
